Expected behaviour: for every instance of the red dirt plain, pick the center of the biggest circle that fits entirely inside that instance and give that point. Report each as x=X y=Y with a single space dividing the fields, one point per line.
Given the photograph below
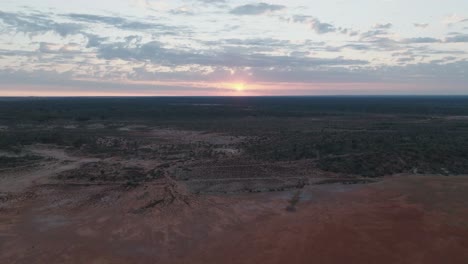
x=400 y=219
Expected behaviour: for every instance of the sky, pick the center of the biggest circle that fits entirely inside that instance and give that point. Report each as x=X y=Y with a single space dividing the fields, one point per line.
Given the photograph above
x=233 y=47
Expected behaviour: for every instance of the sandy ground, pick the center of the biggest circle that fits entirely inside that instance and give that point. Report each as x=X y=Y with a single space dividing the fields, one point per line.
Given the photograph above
x=404 y=219
x=195 y=136
x=56 y=161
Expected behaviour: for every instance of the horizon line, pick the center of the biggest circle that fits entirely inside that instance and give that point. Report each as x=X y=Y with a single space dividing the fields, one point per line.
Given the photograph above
x=228 y=96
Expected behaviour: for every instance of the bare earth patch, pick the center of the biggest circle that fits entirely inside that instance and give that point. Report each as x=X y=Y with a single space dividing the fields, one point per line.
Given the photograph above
x=392 y=221
x=56 y=161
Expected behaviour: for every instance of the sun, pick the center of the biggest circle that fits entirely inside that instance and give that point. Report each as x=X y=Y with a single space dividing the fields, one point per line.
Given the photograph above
x=239 y=87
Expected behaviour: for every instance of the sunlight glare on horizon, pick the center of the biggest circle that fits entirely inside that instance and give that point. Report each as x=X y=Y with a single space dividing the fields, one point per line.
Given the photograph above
x=240 y=87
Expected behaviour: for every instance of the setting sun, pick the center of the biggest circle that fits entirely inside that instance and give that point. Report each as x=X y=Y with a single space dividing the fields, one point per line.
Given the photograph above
x=239 y=87
x=223 y=131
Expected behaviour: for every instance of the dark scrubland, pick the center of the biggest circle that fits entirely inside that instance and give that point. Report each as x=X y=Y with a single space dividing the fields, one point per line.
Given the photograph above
x=366 y=136
x=234 y=180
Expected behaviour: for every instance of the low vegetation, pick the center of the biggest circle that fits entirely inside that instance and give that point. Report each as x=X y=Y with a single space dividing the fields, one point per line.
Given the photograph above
x=365 y=136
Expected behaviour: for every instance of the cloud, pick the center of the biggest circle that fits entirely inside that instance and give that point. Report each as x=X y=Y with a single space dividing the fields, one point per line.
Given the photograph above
x=16 y=53
x=310 y=76
x=51 y=48
x=216 y=2
x=453 y=19
x=374 y=33
x=182 y=11
x=256 y=9
x=96 y=19
x=460 y=38
x=37 y=23
x=53 y=82
x=320 y=27
x=252 y=42
x=94 y=40
x=357 y=46
x=155 y=52
x=421 y=25
x=108 y=48
x=376 y=42
x=314 y=23
x=383 y=26
x=421 y=40
x=121 y=22
x=428 y=73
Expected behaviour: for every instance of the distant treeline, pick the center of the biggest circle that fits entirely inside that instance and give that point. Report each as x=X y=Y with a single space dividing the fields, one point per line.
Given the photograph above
x=177 y=108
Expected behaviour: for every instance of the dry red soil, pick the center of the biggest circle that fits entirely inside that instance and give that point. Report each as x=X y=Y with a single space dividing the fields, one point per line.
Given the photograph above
x=401 y=219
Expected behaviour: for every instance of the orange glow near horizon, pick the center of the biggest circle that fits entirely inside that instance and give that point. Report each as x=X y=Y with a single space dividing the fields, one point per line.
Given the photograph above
x=235 y=88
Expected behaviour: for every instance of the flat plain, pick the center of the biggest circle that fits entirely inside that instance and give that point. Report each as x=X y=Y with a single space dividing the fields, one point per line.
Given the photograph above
x=234 y=180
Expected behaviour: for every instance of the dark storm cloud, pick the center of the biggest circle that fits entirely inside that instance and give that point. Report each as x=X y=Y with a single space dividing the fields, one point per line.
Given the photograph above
x=256 y=9
x=36 y=23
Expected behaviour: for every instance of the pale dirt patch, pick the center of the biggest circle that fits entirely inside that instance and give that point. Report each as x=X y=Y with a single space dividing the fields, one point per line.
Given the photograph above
x=56 y=160
x=460 y=118
x=96 y=126
x=228 y=151
x=11 y=154
x=132 y=128
x=188 y=136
